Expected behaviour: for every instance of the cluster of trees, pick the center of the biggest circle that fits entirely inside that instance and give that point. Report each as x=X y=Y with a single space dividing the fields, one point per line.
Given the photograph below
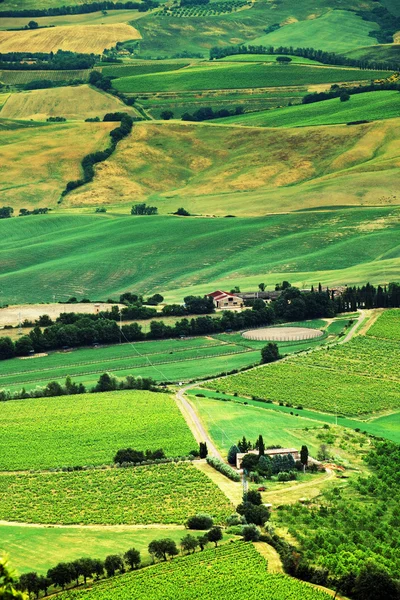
x=129 y=455
x=327 y=58
x=142 y=209
x=6 y=212
x=23 y=212
x=207 y=113
x=87 y=7
x=369 y=296
x=90 y=160
x=252 y=509
x=43 y=61
x=362 y=525
x=388 y=23
x=106 y=383
x=337 y=91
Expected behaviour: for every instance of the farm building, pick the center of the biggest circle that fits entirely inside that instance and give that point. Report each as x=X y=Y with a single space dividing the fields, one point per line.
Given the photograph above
x=271 y=453
x=225 y=301
x=266 y=296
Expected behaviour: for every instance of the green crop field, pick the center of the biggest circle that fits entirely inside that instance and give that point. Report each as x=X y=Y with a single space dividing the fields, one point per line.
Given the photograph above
x=387 y=326
x=40 y=548
x=369 y=106
x=350 y=379
x=189 y=360
x=211 y=575
x=89 y=429
x=23 y=77
x=349 y=245
x=142 y=68
x=163 y=493
x=335 y=31
x=234 y=76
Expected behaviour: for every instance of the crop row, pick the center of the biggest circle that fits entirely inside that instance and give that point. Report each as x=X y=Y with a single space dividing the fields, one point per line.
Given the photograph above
x=88 y=429
x=164 y=493
x=233 y=571
x=387 y=326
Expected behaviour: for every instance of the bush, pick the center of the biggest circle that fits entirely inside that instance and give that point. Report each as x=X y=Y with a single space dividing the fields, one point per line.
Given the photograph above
x=200 y=521
x=223 y=468
x=251 y=533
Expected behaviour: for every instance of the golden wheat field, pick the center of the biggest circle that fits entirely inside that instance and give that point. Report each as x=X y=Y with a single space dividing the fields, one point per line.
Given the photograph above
x=72 y=102
x=77 y=38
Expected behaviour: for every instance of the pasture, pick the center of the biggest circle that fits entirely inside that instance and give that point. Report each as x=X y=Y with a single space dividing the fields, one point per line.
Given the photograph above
x=163 y=493
x=369 y=106
x=76 y=103
x=218 y=170
x=322 y=380
x=350 y=245
x=210 y=574
x=88 y=429
x=40 y=548
x=222 y=75
x=335 y=31
x=39 y=161
x=75 y=38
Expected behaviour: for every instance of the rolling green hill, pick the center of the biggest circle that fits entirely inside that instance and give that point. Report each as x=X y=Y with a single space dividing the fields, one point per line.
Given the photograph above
x=369 y=106
x=145 y=253
x=234 y=76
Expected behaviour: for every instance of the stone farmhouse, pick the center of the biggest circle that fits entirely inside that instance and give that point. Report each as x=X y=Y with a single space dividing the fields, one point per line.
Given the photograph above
x=225 y=301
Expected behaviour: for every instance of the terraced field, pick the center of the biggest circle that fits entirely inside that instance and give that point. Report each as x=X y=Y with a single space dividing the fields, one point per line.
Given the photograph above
x=348 y=245
x=89 y=429
x=234 y=76
x=351 y=379
x=210 y=574
x=164 y=493
x=369 y=106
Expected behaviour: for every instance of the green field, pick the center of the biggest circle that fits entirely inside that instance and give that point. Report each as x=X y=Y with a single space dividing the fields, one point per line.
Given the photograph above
x=349 y=245
x=89 y=429
x=369 y=106
x=387 y=326
x=335 y=31
x=39 y=548
x=163 y=493
x=20 y=78
x=234 y=76
x=383 y=52
x=267 y=58
x=142 y=68
x=350 y=379
x=205 y=575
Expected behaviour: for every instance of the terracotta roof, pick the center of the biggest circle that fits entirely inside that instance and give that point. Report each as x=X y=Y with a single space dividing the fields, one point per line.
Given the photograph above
x=219 y=294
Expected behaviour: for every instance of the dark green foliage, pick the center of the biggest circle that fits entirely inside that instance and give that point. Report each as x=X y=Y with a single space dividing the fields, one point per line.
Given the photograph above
x=59 y=61
x=215 y=535
x=163 y=548
x=198 y=305
x=167 y=115
x=207 y=114
x=251 y=533
x=203 y=451
x=155 y=299
x=182 y=212
x=143 y=209
x=24 y=212
x=344 y=97
x=233 y=450
x=200 y=521
x=250 y=462
x=113 y=563
x=244 y=445
x=254 y=497
x=223 y=468
x=129 y=455
x=304 y=455
x=260 y=442
x=256 y=514
x=374 y=582
x=6 y=212
x=189 y=543
x=7 y=348
x=39 y=84
x=87 y=7
x=132 y=557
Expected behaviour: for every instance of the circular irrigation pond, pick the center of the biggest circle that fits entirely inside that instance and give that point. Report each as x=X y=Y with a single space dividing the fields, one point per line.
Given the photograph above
x=282 y=334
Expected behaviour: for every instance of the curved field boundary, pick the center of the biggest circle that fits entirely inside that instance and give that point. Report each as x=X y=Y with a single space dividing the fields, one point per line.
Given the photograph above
x=283 y=334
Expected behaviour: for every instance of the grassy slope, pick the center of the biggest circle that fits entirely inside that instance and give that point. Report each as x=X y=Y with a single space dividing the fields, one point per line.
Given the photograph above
x=267 y=58
x=234 y=76
x=38 y=161
x=39 y=548
x=221 y=170
x=347 y=246
x=77 y=102
x=368 y=106
x=90 y=429
x=389 y=52
x=335 y=31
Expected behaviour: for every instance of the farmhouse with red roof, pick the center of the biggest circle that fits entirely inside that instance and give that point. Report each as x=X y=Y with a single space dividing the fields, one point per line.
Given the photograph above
x=224 y=301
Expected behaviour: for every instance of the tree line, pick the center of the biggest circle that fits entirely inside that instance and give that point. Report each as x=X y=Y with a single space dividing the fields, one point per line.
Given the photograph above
x=369 y=296
x=59 y=61
x=80 y=9
x=93 y=158
x=337 y=91
x=327 y=58
x=207 y=113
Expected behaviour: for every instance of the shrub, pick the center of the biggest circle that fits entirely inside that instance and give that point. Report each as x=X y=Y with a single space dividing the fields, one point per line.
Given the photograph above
x=200 y=521
x=251 y=533
x=223 y=468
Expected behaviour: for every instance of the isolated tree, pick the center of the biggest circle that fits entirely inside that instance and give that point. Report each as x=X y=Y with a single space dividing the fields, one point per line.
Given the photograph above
x=167 y=115
x=6 y=212
x=215 y=535
x=33 y=25
x=254 y=497
x=251 y=533
x=182 y=212
x=163 y=548
x=304 y=456
x=189 y=543
x=270 y=353
x=203 y=451
x=61 y=574
x=132 y=557
x=113 y=563
x=344 y=97
x=260 y=445
x=233 y=451
x=261 y=287
x=283 y=60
